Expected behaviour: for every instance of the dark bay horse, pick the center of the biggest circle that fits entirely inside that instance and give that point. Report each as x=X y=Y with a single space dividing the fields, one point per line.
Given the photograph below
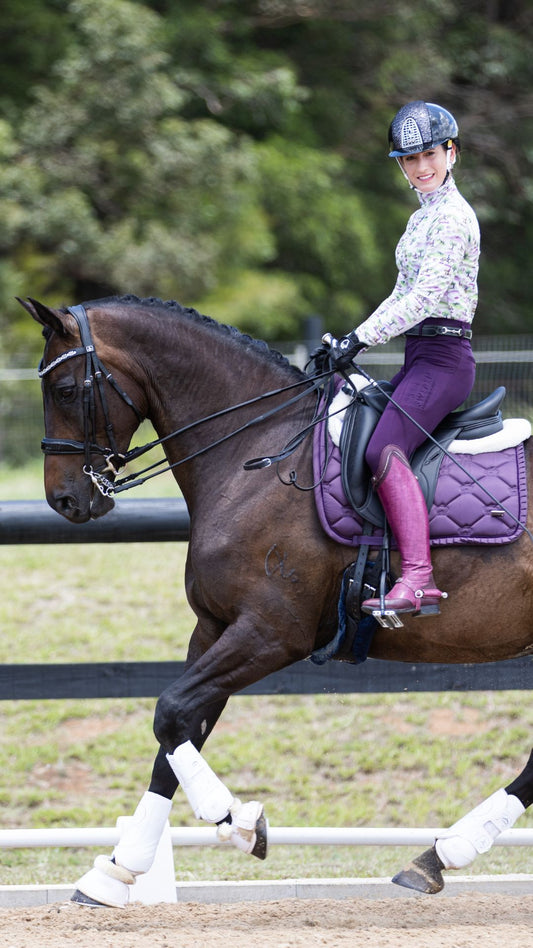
x=262 y=576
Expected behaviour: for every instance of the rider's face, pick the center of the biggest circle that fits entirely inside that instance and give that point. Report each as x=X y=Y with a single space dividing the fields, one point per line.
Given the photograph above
x=427 y=169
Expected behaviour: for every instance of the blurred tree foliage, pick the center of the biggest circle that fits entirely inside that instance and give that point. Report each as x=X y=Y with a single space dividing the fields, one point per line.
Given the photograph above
x=232 y=153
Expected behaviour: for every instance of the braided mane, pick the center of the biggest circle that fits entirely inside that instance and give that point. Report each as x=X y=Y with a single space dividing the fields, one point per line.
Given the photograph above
x=172 y=306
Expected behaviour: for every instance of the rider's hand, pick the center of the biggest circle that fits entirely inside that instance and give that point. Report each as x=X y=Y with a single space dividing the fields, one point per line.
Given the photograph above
x=343 y=351
x=320 y=360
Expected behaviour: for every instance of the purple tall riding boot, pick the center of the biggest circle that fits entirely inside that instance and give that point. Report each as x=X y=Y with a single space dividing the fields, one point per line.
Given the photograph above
x=406 y=511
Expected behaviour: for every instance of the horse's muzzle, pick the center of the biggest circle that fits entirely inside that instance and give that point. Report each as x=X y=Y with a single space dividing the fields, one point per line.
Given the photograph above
x=80 y=509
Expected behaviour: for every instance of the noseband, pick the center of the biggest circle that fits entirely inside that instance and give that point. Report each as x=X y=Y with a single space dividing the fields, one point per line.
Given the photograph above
x=95 y=376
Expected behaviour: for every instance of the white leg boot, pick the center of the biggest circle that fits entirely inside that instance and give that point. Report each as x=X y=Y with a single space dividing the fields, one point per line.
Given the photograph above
x=109 y=881
x=475 y=833
x=137 y=846
x=210 y=799
x=248 y=828
x=243 y=824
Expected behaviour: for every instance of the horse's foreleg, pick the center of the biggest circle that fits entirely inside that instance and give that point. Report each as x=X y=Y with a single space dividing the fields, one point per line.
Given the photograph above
x=240 y=656
x=110 y=880
x=243 y=824
x=470 y=836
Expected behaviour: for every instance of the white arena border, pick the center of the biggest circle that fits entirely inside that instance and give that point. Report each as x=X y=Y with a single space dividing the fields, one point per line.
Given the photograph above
x=224 y=892
x=26 y=896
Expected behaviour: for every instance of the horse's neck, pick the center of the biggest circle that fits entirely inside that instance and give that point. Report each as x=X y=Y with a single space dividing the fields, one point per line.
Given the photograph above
x=205 y=374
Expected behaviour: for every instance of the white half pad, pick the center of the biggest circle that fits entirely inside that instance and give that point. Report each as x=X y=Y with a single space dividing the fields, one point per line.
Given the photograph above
x=514 y=431
x=337 y=409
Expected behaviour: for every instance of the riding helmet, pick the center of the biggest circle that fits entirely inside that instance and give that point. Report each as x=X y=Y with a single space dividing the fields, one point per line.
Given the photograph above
x=419 y=126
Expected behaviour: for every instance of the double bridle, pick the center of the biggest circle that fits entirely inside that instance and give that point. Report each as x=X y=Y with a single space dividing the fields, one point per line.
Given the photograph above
x=96 y=375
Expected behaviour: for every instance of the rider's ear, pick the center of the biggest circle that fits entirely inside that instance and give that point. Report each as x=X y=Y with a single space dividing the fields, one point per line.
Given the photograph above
x=44 y=315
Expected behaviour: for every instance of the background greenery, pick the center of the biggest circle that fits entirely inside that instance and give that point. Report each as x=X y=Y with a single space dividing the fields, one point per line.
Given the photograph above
x=232 y=153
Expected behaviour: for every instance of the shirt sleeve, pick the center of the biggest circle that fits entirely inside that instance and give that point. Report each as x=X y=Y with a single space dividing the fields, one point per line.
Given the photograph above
x=446 y=244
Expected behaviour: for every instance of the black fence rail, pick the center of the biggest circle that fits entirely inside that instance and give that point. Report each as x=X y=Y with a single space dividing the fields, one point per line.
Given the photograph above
x=149 y=679
x=130 y=521
x=165 y=520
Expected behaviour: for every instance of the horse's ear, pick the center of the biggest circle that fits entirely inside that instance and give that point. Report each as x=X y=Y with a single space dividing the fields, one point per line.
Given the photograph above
x=43 y=315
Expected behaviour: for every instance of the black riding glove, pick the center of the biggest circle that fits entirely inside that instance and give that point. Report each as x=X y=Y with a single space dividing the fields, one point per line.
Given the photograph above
x=343 y=351
x=319 y=361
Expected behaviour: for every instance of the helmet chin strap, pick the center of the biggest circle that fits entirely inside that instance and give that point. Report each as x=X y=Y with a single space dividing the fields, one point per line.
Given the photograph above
x=406 y=176
x=450 y=158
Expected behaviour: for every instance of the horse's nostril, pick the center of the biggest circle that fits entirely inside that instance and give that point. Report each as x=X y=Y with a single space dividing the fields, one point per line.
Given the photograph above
x=64 y=504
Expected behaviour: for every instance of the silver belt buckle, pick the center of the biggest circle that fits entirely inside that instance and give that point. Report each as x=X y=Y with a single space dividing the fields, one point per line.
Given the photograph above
x=449 y=331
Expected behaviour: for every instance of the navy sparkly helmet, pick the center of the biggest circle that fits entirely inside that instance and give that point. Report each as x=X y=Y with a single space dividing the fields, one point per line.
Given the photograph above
x=419 y=126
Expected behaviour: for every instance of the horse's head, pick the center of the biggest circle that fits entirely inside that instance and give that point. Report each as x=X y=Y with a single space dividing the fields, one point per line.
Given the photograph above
x=89 y=418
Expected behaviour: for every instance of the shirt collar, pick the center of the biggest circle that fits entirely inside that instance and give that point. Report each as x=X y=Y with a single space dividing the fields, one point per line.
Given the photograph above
x=434 y=196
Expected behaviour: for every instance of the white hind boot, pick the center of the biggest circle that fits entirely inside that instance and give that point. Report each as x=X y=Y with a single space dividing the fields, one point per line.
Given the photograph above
x=475 y=833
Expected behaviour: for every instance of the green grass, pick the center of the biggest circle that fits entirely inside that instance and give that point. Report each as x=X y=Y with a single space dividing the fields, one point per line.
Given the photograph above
x=323 y=760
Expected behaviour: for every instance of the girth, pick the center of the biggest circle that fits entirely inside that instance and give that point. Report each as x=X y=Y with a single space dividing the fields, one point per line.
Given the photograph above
x=361 y=417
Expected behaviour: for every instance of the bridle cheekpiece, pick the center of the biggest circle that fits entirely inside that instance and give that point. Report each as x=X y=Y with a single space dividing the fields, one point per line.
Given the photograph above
x=95 y=376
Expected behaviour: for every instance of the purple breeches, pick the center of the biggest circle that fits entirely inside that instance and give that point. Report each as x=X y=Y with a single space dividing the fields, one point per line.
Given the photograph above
x=436 y=377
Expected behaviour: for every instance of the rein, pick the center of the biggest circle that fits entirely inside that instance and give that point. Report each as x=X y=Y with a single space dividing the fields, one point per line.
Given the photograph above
x=133 y=480
x=95 y=371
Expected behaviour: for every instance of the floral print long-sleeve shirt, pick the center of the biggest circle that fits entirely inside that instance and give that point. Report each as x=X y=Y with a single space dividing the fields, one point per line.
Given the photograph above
x=437 y=259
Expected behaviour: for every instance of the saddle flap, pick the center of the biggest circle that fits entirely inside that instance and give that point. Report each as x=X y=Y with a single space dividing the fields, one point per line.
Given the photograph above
x=480 y=420
x=360 y=420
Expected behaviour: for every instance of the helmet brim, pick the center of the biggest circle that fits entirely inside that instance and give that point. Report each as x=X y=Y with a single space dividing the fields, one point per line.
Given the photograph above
x=418 y=150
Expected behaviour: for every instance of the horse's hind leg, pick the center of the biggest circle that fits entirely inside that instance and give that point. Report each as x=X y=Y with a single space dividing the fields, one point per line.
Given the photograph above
x=472 y=835
x=522 y=787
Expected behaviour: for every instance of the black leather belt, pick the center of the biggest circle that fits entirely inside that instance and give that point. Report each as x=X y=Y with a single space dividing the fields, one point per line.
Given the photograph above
x=459 y=333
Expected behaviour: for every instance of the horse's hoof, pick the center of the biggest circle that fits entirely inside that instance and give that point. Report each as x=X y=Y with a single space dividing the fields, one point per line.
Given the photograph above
x=97 y=889
x=423 y=874
x=83 y=899
x=261 y=843
x=248 y=829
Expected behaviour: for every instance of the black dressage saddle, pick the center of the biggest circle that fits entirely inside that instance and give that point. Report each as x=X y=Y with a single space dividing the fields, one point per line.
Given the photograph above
x=361 y=418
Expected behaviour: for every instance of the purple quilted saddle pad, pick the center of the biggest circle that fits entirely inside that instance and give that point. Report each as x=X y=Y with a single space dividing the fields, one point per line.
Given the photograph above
x=462 y=513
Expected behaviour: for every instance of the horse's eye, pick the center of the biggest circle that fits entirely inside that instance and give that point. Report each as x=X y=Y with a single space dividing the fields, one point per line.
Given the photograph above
x=65 y=394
